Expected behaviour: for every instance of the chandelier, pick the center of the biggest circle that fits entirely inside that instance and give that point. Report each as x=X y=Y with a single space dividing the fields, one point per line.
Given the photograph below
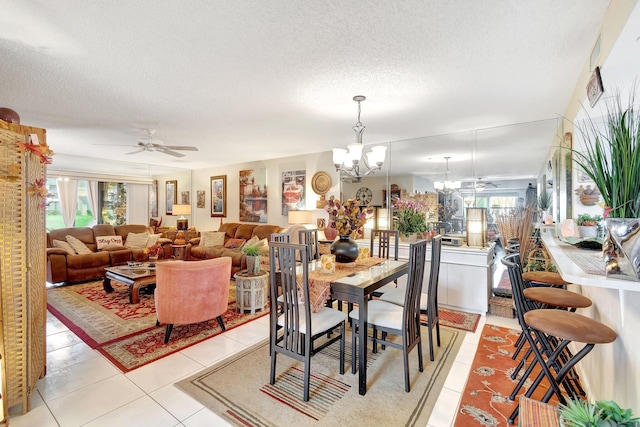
x=349 y=161
x=447 y=186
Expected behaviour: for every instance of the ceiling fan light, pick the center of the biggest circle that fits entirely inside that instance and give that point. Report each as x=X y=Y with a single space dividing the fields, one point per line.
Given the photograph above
x=480 y=188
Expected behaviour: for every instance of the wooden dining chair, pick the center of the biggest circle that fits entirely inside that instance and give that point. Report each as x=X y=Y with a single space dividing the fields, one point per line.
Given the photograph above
x=309 y=238
x=401 y=320
x=294 y=329
x=384 y=244
x=428 y=301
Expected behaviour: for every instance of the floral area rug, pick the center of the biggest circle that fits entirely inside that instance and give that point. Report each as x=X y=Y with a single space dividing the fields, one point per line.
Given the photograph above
x=485 y=400
x=126 y=333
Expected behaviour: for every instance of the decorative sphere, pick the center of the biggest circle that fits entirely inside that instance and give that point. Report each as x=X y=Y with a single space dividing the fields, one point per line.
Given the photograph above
x=9 y=116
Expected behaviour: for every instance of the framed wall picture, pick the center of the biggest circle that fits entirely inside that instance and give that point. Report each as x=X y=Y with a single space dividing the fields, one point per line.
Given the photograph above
x=153 y=198
x=185 y=198
x=293 y=194
x=200 y=195
x=594 y=87
x=172 y=195
x=253 y=195
x=219 y=196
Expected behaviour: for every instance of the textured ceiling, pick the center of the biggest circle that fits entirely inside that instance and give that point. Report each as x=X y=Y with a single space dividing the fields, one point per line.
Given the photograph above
x=250 y=80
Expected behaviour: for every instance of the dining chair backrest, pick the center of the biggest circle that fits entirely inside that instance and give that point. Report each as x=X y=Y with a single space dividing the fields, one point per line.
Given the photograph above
x=434 y=276
x=384 y=238
x=280 y=237
x=309 y=238
x=284 y=271
x=411 y=312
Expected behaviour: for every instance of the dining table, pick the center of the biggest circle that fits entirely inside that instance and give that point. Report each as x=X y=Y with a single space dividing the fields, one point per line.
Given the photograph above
x=354 y=284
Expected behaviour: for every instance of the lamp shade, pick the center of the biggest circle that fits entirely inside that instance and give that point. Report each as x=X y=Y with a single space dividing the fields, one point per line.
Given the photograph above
x=181 y=209
x=476 y=226
x=299 y=217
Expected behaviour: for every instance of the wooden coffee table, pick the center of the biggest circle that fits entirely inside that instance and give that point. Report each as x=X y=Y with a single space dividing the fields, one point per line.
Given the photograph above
x=134 y=277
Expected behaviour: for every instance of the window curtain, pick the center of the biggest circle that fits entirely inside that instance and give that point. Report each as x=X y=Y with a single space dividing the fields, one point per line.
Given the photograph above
x=92 y=196
x=68 y=193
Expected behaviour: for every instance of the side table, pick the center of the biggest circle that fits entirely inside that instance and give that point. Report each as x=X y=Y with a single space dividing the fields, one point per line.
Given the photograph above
x=251 y=291
x=178 y=251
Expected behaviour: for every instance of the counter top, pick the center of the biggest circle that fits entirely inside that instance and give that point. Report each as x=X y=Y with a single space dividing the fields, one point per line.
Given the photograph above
x=572 y=272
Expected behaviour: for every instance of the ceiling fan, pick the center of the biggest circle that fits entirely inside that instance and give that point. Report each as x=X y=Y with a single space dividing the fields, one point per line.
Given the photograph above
x=148 y=143
x=481 y=185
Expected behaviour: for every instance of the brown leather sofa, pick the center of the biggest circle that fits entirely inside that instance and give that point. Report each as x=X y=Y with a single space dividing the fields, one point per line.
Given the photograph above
x=232 y=230
x=62 y=267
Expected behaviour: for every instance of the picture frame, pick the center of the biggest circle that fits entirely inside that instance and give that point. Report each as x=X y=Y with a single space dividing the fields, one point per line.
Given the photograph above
x=185 y=198
x=219 y=196
x=171 y=195
x=200 y=197
x=253 y=195
x=153 y=198
x=293 y=191
x=594 y=87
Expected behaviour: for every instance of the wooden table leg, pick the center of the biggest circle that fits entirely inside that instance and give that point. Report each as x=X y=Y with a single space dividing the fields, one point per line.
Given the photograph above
x=106 y=284
x=362 y=346
x=134 y=293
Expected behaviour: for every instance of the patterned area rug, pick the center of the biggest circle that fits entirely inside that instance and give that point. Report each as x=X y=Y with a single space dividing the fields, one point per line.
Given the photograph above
x=127 y=333
x=485 y=400
x=238 y=388
x=456 y=319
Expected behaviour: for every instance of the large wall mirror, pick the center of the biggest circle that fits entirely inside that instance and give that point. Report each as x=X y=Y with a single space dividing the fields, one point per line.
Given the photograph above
x=489 y=163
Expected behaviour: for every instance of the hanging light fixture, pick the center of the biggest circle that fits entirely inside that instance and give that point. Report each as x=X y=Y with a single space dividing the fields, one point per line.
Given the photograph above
x=447 y=186
x=349 y=161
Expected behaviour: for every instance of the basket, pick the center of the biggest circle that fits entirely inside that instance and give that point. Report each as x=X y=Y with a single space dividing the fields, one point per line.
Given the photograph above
x=502 y=307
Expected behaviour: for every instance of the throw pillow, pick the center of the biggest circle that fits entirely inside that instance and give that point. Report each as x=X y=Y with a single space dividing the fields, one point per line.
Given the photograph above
x=212 y=238
x=136 y=240
x=104 y=241
x=61 y=244
x=78 y=246
x=251 y=242
x=234 y=243
x=153 y=239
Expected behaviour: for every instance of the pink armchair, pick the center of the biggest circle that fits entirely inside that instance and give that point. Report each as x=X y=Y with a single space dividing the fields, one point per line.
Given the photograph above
x=191 y=292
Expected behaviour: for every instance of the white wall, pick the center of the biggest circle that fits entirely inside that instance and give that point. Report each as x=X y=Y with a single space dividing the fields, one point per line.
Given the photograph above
x=137 y=204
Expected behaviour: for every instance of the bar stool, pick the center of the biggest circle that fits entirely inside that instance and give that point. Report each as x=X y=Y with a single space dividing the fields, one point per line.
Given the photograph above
x=545 y=277
x=567 y=327
x=540 y=298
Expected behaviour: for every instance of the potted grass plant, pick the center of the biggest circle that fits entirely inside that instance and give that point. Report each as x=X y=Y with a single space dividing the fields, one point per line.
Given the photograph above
x=611 y=158
x=604 y=413
x=252 y=256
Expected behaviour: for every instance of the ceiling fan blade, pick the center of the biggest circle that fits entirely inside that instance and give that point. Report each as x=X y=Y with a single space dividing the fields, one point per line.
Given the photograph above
x=169 y=152
x=134 y=152
x=181 y=147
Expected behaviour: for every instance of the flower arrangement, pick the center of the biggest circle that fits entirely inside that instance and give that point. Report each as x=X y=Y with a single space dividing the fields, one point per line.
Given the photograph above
x=153 y=250
x=586 y=220
x=347 y=217
x=410 y=216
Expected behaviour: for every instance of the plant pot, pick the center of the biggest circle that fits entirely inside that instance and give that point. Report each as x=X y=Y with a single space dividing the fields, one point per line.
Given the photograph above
x=345 y=250
x=253 y=264
x=410 y=238
x=621 y=248
x=588 y=231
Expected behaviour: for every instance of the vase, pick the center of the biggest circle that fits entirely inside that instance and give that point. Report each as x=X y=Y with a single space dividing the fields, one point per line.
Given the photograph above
x=253 y=264
x=621 y=248
x=345 y=250
x=330 y=233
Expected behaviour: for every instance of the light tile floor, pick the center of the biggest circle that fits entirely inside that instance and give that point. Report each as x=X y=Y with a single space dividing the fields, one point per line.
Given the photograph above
x=82 y=388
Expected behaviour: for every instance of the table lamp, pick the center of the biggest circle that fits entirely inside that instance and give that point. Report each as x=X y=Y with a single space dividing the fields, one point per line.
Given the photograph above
x=299 y=217
x=182 y=210
x=476 y=226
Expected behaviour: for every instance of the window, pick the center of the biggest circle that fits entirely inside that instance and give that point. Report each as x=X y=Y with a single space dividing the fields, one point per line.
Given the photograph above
x=54 y=217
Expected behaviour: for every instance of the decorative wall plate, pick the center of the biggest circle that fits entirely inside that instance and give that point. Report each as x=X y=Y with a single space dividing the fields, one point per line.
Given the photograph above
x=321 y=183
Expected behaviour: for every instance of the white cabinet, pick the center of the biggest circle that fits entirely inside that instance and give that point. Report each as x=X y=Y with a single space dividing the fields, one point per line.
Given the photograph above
x=465 y=279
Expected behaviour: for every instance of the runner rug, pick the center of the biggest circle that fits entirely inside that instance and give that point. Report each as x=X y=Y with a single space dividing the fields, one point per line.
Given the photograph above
x=485 y=400
x=126 y=333
x=238 y=389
